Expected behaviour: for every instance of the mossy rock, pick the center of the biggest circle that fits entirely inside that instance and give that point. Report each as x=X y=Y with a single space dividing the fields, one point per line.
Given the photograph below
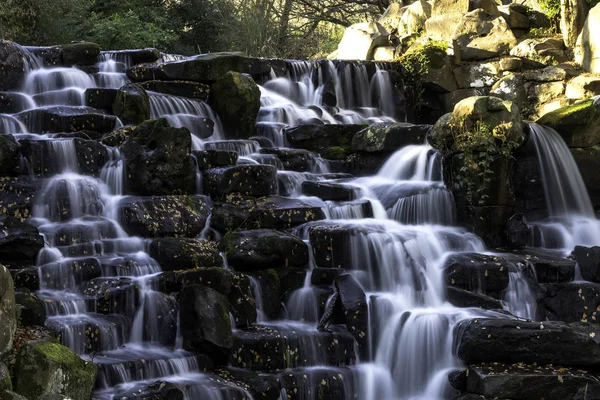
x=578 y=124
x=132 y=104
x=12 y=65
x=45 y=368
x=8 y=315
x=80 y=54
x=5 y=382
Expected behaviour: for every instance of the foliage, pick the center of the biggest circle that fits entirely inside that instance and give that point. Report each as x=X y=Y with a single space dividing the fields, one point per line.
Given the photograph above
x=541 y=32
x=480 y=146
x=551 y=7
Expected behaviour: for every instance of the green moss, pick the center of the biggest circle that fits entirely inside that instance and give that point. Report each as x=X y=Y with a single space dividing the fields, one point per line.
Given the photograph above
x=336 y=153
x=557 y=116
x=58 y=353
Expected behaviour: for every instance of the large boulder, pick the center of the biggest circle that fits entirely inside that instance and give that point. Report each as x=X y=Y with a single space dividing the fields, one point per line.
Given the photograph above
x=10 y=156
x=588 y=259
x=263 y=249
x=444 y=7
x=80 y=54
x=236 y=99
x=573 y=15
x=478 y=273
x=540 y=52
x=205 y=324
x=587 y=51
x=330 y=141
x=12 y=65
x=360 y=40
x=481 y=36
x=157 y=159
x=49 y=369
x=578 y=124
x=571 y=302
x=388 y=137
x=132 y=104
x=20 y=242
x=8 y=311
x=175 y=254
x=583 y=87
x=57 y=119
x=164 y=216
x=414 y=17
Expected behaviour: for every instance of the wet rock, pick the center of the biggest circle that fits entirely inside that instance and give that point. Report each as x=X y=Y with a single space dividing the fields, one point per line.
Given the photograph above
x=252 y=180
x=207 y=159
x=549 y=266
x=164 y=216
x=205 y=325
x=118 y=136
x=54 y=119
x=19 y=242
x=80 y=54
x=578 y=124
x=465 y=298
x=571 y=302
x=517 y=232
x=26 y=278
x=588 y=259
x=12 y=66
x=45 y=369
x=486 y=340
x=139 y=56
x=294 y=159
x=101 y=98
x=263 y=249
x=192 y=90
x=236 y=99
x=80 y=269
x=321 y=383
x=330 y=244
x=388 y=138
x=477 y=273
x=268 y=348
x=10 y=155
x=157 y=159
x=175 y=254
x=132 y=104
x=233 y=285
x=261 y=386
x=270 y=291
x=8 y=311
x=158 y=390
x=272 y=212
x=109 y=295
x=30 y=308
x=330 y=141
x=333 y=191
x=12 y=102
x=523 y=381
x=207 y=68
x=324 y=276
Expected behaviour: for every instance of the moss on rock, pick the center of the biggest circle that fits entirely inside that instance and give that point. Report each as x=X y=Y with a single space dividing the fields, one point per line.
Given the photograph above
x=578 y=124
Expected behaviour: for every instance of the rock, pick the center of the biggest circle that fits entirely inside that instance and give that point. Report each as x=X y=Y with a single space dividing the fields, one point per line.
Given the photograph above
x=294 y=159
x=261 y=386
x=138 y=56
x=236 y=98
x=389 y=138
x=587 y=162
x=132 y=104
x=175 y=254
x=540 y=52
x=522 y=381
x=80 y=54
x=332 y=191
x=464 y=298
x=477 y=74
x=548 y=74
x=80 y=269
x=8 y=312
x=549 y=267
x=192 y=90
x=571 y=302
x=503 y=340
x=480 y=36
x=45 y=369
x=391 y=17
x=12 y=65
x=10 y=156
x=477 y=273
x=442 y=27
x=516 y=16
x=330 y=245
x=263 y=249
x=583 y=87
x=235 y=286
x=157 y=390
x=54 y=119
x=207 y=68
x=31 y=308
x=360 y=40
x=453 y=98
x=112 y=295
x=587 y=50
x=414 y=17
x=273 y=212
x=252 y=180
x=510 y=63
x=573 y=15
x=330 y=141
x=439 y=76
x=517 y=232
x=489 y=6
x=164 y=216
x=13 y=102
x=20 y=242
x=325 y=383
x=384 y=53
x=26 y=278
x=444 y=7
x=205 y=325
x=511 y=88
x=588 y=259
x=117 y=137
x=578 y=124
x=157 y=159
x=206 y=159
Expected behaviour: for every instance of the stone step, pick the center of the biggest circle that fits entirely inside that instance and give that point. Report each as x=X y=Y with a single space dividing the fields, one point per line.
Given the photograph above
x=67 y=119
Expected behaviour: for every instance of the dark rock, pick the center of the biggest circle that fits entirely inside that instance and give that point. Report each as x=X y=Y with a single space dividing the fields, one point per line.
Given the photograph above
x=319 y=383
x=101 y=98
x=12 y=65
x=486 y=340
x=324 y=276
x=181 y=253
x=109 y=295
x=588 y=259
x=159 y=390
x=549 y=266
x=205 y=325
x=334 y=191
x=572 y=302
x=458 y=380
x=477 y=273
x=252 y=180
x=517 y=232
x=577 y=124
x=31 y=308
x=19 y=242
x=330 y=141
x=236 y=98
x=522 y=381
x=164 y=216
x=80 y=54
x=263 y=249
x=272 y=212
x=587 y=162
x=388 y=138
x=158 y=159
x=132 y=104
x=233 y=285
x=464 y=298
x=269 y=286
x=294 y=159
x=206 y=159
x=10 y=156
x=66 y=119
x=13 y=102
x=261 y=386
x=330 y=245
x=118 y=136
x=80 y=269
x=8 y=311
x=137 y=56
x=26 y=278
x=193 y=90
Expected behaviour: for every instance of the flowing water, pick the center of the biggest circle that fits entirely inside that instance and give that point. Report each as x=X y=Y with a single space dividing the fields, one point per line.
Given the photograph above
x=402 y=227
